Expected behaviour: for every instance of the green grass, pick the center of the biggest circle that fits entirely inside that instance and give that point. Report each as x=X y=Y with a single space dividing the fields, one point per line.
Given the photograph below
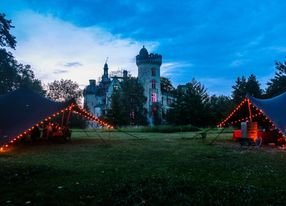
x=159 y=129
x=115 y=168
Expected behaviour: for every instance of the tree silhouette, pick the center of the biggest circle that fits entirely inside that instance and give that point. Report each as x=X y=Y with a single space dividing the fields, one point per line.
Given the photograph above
x=63 y=90
x=245 y=86
x=13 y=75
x=6 y=39
x=191 y=105
x=277 y=85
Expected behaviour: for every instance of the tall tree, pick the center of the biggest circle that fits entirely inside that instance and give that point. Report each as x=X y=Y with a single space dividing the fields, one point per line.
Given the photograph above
x=191 y=106
x=6 y=39
x=253 y=86
x=117 y=114
x=8 y=65
x=245 y=86
x=63 y=90
x=129 y=99
x=239 y=89
x=166 y=85
x=220 y=107
x=13 y=75
x=27 y=79
x=277 y=85
x=8 y=72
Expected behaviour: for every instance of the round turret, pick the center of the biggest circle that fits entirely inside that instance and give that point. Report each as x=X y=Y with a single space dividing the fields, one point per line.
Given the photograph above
x=143 y=52
x=145 y=58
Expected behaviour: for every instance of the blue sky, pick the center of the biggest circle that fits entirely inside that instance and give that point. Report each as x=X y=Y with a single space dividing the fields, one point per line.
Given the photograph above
x=211 y=41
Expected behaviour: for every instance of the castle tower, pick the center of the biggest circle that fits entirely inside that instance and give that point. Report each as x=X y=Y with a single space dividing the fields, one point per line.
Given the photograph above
x=149 y=77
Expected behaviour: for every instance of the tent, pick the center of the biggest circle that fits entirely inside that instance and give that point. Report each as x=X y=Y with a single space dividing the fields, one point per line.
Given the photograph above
x=269 y=112
x=23 y=109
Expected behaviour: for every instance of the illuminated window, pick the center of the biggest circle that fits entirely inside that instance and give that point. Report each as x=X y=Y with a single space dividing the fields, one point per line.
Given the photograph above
x=153 y=84
x=153 y=72
x=154 y=97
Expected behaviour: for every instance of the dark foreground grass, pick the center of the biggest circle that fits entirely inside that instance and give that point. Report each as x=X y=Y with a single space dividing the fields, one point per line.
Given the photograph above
x=154 y=169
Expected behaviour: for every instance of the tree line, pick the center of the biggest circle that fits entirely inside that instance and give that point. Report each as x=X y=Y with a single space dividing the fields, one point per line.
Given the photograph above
x=193 y=105
x=14 y=75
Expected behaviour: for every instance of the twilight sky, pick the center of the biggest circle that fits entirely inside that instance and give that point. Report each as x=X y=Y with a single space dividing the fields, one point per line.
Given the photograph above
x=211 y=41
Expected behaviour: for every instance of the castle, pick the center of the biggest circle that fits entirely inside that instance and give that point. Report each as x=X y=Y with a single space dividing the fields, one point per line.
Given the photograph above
x=97 y=97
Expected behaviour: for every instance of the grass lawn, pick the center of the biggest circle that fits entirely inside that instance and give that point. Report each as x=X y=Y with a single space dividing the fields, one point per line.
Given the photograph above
x=113 y=168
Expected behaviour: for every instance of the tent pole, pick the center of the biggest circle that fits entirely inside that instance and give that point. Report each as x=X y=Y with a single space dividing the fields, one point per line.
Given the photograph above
x=249 y=110
x=69 y=114
x=63 y=118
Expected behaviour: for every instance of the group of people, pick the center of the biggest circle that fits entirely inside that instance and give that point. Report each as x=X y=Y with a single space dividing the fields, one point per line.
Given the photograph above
x=51 y=131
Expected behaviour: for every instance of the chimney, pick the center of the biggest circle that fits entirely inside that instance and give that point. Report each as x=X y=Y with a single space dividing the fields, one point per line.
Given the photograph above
x=125 y=72
x=92 y=82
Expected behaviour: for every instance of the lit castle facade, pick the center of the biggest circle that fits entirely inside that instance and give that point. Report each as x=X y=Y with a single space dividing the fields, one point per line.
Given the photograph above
x=97 y=97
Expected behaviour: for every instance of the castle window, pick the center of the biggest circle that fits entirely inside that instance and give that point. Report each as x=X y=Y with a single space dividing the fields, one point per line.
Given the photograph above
x=153 y=72
x=169 y=101
x=153 y=84
x=154 y=97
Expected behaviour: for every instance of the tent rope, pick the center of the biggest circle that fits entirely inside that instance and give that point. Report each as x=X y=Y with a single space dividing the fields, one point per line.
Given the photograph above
x=217 y=136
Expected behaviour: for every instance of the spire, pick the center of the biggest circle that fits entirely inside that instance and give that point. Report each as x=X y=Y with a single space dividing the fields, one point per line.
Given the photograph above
x=105 y=70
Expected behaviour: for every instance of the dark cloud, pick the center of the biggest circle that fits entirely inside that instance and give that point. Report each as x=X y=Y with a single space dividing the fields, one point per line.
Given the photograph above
x=72 y=64
x=222 y=39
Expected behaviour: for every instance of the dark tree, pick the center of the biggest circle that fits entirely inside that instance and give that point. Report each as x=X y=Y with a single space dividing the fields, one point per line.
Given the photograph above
x=127 y=104
x=220 y=107
x=8 y=72
x=63 y=90
x=166 y=85
x=117 y=114
x=191 y=106
x=239 y=90
x=6 y=39
x=133 y=100
x=13 y=75
x=253 y=86
x=277 y=85
x=245 y=86
x=27 y=79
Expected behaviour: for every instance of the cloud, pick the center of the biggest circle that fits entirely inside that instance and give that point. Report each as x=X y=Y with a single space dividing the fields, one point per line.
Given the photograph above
x=238 y=62
x=72 y=64
x=232 y=39
x=60 y=71
x=45 y=42
x=174 y=68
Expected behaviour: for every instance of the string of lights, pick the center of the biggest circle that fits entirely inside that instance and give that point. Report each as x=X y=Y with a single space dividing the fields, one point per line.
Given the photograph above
x=232 y=113
x=73 y=107
x=242 y=119
x=259 y=112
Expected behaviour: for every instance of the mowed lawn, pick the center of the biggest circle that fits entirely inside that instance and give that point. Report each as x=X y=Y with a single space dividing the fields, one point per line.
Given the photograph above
x=114 y=168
